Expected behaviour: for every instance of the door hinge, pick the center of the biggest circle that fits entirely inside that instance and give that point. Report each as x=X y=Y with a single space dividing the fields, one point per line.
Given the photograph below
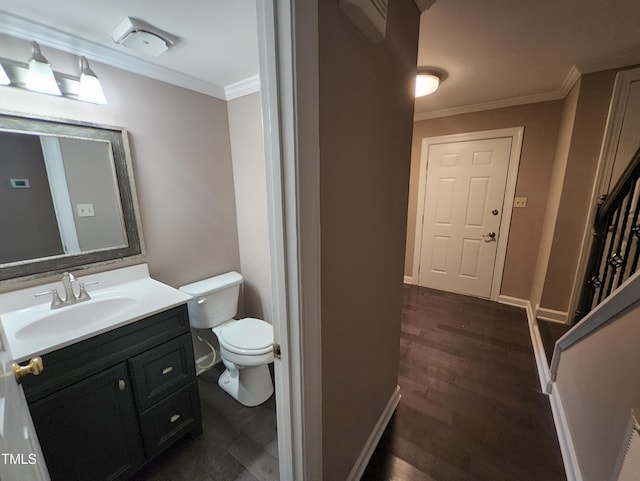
x=277 y=352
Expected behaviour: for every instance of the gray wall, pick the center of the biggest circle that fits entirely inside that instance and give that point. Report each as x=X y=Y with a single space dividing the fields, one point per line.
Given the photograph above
x=181 y=159
x=366 y=118
x=250 y=185
x=598 y=383
x=27 y=218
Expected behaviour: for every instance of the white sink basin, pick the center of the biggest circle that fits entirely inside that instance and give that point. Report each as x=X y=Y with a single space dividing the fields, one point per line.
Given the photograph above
x=122 y=296
x=72 y=318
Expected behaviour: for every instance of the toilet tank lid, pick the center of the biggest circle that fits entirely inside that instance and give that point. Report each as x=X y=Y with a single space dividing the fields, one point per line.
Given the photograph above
x=212 y=284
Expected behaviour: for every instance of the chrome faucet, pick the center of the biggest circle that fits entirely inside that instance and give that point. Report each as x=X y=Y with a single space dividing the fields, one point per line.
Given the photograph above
x=69 y=296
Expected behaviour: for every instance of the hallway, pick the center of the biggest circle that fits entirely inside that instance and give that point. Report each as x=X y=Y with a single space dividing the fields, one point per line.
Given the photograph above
x=471 y=406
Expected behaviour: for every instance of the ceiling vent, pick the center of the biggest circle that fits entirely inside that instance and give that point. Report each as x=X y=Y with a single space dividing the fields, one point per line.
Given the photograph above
x=142 y=37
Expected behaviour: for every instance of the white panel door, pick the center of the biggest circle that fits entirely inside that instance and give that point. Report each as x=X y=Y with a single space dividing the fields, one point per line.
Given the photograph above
x=463 y=206
x=22 y=458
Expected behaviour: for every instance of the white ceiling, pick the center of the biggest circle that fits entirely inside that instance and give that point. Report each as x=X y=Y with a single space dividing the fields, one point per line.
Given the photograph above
x=493 y=52
x=217 y=46
x=505 y=52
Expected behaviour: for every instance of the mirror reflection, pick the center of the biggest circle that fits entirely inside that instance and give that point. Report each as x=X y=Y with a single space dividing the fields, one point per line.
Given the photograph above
x=66 y=198
x=58 y=197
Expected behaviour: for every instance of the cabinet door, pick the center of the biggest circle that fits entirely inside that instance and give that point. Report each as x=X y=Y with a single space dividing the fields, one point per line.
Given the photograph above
x=89 y=431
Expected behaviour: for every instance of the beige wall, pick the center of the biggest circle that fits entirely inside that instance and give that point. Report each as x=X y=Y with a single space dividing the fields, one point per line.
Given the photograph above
x=590 y=118
x=181 y=158
x=366 y=110
x=541 y=122
x=598 y=383
x=555 y=191
x=249 y=178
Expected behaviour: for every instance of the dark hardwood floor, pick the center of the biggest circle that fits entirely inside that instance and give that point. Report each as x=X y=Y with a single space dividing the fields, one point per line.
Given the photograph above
x=550 y=332
x=471 y=406
x=237 y=444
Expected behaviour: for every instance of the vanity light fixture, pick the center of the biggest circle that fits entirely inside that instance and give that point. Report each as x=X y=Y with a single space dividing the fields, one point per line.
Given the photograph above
x=4 y=79
x=90 y=88
x=426 y=83
x=40 y=77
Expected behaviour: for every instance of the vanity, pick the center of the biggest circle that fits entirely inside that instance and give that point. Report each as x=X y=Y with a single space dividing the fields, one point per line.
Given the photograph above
x=118 y=382
x=117 y=389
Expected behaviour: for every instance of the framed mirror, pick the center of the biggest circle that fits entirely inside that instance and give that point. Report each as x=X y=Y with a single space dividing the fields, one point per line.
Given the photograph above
x=67 y=196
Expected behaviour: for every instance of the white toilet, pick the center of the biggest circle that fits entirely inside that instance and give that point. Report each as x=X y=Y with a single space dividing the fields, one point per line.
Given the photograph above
x=246 y=345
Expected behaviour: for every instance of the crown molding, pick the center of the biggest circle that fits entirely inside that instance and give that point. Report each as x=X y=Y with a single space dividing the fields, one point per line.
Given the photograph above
x=28 y=30
x=571 y=78
x=243 y=87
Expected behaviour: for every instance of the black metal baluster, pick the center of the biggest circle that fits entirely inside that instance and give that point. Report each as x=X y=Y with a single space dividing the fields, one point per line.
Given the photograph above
x=608 y=266
x=630 y=238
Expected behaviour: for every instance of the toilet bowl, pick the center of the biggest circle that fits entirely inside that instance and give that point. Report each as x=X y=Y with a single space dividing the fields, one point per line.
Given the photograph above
x=246 y=349
x=246 y=345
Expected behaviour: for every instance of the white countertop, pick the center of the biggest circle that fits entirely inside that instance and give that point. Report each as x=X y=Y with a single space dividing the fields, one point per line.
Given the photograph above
x=32 y=328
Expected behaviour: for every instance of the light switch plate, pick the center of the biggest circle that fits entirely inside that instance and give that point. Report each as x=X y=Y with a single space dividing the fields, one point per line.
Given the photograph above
x=520 y=202
x=85 y=210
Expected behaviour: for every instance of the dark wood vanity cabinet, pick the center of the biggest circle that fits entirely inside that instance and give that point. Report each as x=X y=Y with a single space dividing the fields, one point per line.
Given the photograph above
x=105 y=406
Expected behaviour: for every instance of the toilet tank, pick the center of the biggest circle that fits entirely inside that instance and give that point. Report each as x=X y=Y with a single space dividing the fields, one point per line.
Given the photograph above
x=215 y=300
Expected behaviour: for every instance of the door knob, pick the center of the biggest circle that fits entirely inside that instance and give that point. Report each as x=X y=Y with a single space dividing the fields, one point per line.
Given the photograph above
x=34 y=367
x=491 y=235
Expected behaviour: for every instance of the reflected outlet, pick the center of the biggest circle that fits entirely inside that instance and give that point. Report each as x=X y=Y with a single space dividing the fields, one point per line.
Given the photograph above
x=85 y=210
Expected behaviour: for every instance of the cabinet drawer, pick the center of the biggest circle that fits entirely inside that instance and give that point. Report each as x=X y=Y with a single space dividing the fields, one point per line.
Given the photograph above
x=170 y=419
x=162 y=370
x=71 y=364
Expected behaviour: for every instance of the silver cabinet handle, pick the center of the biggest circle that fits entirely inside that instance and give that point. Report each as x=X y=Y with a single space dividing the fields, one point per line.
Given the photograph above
x=174 y=418
x=167 y=370
x=121 y=384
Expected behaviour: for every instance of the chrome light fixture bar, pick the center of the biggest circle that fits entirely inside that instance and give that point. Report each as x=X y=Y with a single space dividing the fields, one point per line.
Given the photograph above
x=38 y=76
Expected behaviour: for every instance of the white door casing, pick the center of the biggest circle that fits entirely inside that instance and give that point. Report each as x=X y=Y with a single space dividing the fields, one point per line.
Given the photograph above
x=20 y=455
x=464 y=178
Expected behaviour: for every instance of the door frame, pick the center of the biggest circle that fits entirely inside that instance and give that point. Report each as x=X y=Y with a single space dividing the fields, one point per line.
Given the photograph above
x=289 y=95
x=516 y=134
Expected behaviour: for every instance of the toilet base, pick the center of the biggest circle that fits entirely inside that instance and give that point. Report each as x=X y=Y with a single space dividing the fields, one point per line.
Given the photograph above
x=250 y=386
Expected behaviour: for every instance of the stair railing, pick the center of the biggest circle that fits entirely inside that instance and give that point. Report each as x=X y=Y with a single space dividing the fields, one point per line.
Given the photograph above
x=615 y=250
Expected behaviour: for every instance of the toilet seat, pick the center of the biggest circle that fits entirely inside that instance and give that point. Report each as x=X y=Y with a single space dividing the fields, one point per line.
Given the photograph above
x=248 y=336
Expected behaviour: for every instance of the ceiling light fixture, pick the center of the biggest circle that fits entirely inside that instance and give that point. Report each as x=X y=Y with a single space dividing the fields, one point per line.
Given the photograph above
x=40 y=77
x=426 y=83
x=90 y=88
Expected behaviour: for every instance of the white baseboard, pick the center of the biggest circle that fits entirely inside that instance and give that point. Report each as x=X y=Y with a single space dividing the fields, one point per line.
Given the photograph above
x=551 y=315
x=514 y=301
x=569 y=458
x=572 y=470
x=409 y=280
x=367 y=451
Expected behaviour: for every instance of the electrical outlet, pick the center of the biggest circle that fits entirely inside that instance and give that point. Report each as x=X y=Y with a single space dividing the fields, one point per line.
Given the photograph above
x=520 y=202
x=85 y=210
